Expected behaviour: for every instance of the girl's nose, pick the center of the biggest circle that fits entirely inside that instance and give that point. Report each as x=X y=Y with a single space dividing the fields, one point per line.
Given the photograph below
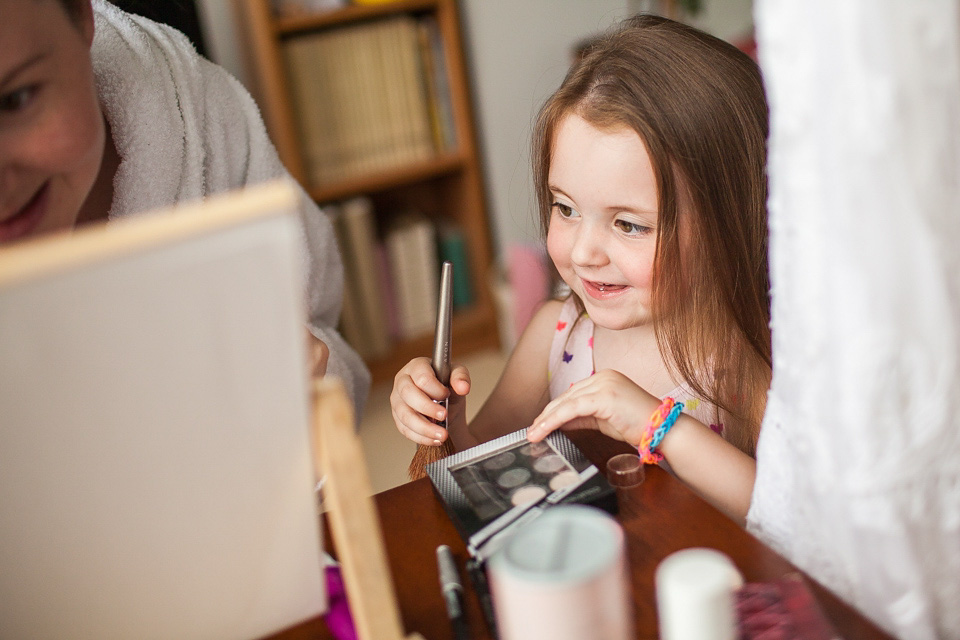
x=588 y=246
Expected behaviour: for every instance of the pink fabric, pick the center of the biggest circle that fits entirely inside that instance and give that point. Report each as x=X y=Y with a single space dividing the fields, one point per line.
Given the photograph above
x=338 y=618
x=528 y=281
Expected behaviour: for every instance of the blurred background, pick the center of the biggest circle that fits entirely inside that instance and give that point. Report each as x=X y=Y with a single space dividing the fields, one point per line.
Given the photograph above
x=459 y=187
x=517 y=53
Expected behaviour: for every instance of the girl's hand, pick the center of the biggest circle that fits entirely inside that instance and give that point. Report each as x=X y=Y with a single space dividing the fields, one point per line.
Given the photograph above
x=415 y=388
x=607 y=401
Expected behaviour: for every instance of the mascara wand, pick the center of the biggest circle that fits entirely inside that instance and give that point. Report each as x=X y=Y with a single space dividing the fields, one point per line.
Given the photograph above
x=441 y=367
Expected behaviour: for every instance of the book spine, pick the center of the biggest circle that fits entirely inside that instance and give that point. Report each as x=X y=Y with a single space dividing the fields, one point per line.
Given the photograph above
x=453 y=247
x=308 y=101
x=442 y=84
x=423 y=249
x=387 y=293
x=417 y=136
x=361 y=236
x=329 y=140
x=401 y=272
x=429 y=77
x=350 y=324
x=345 y=104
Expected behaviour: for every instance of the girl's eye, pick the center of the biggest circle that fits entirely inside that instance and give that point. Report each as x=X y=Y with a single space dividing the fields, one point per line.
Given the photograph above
x=563 y=210
x=631 y=228
x=17 y=100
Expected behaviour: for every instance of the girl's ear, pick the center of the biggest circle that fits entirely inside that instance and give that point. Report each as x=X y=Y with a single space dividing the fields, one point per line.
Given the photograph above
x=84 y=18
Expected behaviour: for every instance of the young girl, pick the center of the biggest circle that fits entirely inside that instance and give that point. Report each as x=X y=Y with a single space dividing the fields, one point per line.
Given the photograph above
x=104 y=114
x=649 y=171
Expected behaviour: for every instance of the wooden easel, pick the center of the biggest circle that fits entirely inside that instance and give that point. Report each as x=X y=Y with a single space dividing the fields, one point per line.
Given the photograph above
x=352 y=516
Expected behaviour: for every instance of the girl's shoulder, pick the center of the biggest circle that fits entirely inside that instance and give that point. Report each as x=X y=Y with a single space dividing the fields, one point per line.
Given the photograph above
x=556 y=316
x=559 y=314
x=538 y=335
x=544 y=320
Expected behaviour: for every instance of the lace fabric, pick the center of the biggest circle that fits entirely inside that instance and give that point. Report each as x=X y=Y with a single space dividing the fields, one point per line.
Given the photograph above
x=858 y=475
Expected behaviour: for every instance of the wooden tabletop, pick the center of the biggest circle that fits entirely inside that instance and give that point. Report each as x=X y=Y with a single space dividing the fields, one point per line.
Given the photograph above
x=659 y=517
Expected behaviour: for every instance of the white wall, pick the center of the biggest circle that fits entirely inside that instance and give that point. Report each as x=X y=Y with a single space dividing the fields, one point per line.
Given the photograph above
x=518 y=51
x=727 y=19
x=220 y=22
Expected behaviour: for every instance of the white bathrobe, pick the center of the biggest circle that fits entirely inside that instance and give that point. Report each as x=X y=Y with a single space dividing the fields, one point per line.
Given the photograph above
x=184 y=129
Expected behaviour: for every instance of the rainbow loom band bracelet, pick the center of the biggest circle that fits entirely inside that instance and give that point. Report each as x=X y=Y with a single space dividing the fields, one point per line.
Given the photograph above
x=659 y=424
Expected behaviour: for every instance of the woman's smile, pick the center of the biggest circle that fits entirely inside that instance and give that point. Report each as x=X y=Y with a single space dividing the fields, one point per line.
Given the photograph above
x=26 y=219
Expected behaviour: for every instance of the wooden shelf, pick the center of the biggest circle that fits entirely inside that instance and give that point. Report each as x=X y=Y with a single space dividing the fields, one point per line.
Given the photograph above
x=441 y=165
x=292 y=25
x=473 y=329
x=446 y=187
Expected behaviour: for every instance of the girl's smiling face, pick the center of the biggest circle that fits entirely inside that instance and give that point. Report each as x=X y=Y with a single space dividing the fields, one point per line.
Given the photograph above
x=602 y=235
x=52 y=131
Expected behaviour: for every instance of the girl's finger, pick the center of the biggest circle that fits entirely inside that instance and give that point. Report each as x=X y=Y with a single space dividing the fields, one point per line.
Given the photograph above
x=588 y=386
x=407 y=391
x=577 y=405
x=415 y=427
x=420 y=373
x=460 y=380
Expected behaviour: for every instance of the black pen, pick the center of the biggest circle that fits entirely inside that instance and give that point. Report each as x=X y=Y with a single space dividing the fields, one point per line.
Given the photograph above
x=452 y=590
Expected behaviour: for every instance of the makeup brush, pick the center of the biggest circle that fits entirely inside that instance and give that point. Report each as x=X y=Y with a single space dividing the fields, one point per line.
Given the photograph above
x=441 y=367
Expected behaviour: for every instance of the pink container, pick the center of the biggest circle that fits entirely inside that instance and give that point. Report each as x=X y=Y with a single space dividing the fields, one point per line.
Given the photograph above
x=564 y=577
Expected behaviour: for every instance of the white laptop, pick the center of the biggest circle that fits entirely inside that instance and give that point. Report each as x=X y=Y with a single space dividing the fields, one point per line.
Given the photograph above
x=156 y=477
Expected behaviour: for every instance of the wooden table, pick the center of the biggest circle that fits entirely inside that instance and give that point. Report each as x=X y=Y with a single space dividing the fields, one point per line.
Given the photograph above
x=659 y=517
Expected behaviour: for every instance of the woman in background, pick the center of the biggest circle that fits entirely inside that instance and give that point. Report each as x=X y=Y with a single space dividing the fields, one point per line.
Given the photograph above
x=105 y=114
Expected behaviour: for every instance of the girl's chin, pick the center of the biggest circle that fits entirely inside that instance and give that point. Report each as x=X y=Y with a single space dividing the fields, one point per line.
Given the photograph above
x=614 y=319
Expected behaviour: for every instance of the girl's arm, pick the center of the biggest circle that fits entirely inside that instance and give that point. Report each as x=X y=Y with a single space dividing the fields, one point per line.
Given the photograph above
x=520 y=394
x=523 y=388
x=615 y=405
x=722 y=474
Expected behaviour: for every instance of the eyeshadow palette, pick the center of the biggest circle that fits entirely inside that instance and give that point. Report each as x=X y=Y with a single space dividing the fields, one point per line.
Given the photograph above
x=482 y=483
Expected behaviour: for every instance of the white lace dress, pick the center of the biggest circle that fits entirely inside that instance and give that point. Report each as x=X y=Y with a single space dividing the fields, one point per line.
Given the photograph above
x=858 y=478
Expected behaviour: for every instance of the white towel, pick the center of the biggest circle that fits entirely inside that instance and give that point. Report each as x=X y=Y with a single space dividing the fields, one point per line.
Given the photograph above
x=184 y=129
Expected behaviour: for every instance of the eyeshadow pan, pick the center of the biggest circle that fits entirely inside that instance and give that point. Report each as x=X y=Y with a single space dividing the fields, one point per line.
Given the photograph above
x=485 y=499
x=527 y=494
x=534 y=448
x=500 y=461
x=564 y=479
x=549 y=464
x=513 y=478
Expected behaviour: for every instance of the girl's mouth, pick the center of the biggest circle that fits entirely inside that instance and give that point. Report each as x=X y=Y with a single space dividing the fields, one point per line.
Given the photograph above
x=27 y=218
x=602 y=290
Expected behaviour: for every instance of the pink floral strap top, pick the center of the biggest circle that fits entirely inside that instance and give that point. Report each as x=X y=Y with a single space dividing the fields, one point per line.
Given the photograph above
x=571 y=360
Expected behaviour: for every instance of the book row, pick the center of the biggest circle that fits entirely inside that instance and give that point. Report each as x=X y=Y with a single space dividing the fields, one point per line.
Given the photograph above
x=391 y=276
x=370 y=96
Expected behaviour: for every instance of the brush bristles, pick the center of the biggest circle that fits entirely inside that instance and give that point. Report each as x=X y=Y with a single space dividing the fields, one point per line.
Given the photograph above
x=425 y=455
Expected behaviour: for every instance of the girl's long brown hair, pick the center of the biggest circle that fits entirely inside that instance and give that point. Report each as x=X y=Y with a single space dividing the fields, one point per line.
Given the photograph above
x=698 y=104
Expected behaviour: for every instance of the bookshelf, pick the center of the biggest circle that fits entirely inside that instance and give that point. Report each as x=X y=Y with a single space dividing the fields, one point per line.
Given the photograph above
x=443 y=183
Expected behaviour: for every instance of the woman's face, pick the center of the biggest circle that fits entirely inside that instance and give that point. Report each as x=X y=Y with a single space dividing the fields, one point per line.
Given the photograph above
x=52 y=131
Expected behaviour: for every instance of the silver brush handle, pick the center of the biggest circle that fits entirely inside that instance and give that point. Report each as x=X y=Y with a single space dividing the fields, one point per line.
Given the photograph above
x=442 y=336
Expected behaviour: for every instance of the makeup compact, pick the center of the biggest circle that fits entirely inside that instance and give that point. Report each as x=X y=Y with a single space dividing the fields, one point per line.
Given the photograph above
x=491 y=489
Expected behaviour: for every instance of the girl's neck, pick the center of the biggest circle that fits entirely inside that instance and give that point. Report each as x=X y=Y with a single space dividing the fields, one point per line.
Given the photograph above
x=634 y=353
